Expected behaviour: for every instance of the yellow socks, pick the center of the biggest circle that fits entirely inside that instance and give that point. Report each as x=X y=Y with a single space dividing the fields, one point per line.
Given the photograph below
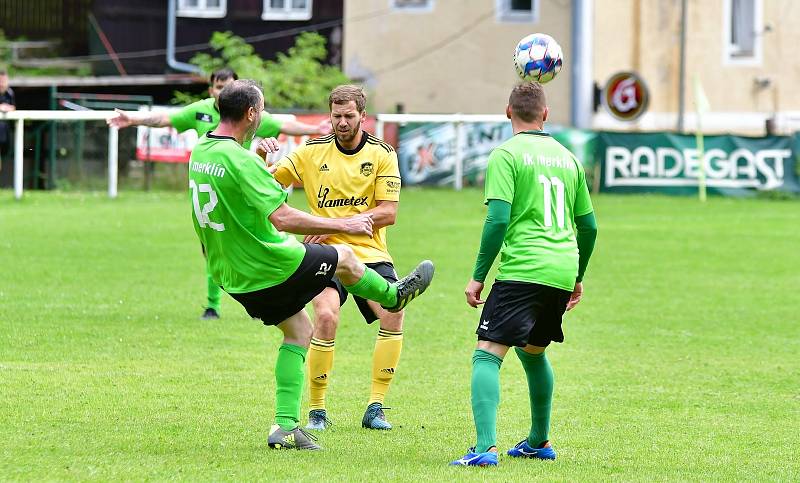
x=384 y=363
x=320 y=364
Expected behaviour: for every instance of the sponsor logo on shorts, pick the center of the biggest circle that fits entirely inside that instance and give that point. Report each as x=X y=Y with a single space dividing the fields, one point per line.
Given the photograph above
x=324 y=268
x=484 y=325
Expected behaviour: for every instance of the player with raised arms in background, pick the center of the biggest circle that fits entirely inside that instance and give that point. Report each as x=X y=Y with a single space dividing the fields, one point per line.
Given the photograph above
x=240 y=215
x=540 y=219
x=345 y=173
x=203 y=116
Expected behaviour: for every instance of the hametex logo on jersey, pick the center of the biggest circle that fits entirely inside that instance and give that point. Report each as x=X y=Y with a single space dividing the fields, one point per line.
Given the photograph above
x=324 y=202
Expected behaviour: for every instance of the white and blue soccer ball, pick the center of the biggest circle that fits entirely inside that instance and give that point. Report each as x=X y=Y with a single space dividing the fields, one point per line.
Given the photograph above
x=538 y=58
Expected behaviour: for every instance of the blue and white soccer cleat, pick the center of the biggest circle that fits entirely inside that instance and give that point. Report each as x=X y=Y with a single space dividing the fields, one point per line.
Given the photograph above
x=374 y=418
x=318 y=420
x=524 y=450
x=472 y=458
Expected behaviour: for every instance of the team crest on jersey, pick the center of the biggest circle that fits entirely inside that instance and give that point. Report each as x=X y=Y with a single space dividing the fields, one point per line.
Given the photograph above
x=366 y=168
x=204 y=117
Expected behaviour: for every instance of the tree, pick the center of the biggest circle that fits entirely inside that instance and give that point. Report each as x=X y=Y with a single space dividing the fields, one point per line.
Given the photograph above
x=298 y=79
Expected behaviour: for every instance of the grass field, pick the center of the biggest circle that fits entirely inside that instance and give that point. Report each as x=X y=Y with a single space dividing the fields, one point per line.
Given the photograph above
x=681 y=363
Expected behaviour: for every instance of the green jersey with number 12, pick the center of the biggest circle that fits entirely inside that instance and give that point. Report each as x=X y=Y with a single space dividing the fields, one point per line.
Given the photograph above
x=233 y=195
x=546 y=187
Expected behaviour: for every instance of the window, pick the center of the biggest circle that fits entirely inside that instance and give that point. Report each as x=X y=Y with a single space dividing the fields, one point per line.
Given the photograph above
x=286 y=10
x=518 y=10
x=412 y=5
x=743 y=30
x=202 y=8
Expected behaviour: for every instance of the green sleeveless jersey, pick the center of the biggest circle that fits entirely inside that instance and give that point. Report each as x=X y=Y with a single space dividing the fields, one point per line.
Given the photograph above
x=546 y=187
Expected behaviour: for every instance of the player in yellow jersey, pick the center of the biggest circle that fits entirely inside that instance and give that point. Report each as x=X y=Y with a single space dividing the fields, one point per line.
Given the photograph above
x=343 y=174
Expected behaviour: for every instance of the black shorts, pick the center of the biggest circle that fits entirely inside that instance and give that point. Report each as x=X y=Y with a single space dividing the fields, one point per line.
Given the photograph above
x=385 y=270
x=275 y=304
x=521 y=313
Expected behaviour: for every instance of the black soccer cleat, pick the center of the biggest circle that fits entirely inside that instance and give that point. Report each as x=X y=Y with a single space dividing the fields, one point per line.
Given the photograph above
x=412 y=285
x=294 y=439
x=209 y=314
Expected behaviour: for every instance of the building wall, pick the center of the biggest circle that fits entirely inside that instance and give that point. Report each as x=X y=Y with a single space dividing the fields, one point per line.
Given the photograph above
x=651 y=46
x=142 y=26
x=456 y=57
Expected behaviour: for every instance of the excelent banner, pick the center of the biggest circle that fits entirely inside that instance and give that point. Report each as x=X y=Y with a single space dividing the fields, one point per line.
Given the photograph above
x=669 y=163
x=427 y=151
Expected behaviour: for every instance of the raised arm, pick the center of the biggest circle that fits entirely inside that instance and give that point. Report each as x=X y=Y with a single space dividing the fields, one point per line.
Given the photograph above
x=125 y=119
x=297 y=128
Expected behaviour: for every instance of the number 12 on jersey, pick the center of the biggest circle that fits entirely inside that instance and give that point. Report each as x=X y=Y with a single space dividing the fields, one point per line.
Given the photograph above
x=548 y=185
x=202 y=214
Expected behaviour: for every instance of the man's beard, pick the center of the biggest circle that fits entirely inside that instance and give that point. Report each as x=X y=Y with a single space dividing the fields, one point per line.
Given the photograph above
x=350 y=135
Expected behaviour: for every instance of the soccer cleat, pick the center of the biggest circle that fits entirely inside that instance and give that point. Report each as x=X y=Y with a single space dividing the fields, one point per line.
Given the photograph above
x=318 y=420
x=412 y=285
x=374 y=417
x=524 y=450
x=294 y=439
x=209 y=314
x=472 y=458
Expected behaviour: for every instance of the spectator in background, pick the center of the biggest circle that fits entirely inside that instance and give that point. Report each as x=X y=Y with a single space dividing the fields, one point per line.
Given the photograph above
x=7 y=104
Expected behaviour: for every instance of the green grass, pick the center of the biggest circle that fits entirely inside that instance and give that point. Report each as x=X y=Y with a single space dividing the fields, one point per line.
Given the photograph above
x=681 y=363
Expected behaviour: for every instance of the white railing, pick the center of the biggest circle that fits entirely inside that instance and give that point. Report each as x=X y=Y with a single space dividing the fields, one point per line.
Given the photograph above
x=458 y=119
x=21 y=116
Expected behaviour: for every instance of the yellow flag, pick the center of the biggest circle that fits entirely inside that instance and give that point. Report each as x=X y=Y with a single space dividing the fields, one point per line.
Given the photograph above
x=700 y=99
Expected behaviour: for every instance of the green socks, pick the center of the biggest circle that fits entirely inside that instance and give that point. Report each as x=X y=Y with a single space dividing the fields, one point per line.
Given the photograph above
x=374 y=287
x=289 y=375
x=540 y=389
x=485 y=397
x=214 y=293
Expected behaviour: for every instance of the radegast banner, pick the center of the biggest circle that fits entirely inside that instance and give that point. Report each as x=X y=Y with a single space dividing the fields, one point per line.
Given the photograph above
x=669 y=163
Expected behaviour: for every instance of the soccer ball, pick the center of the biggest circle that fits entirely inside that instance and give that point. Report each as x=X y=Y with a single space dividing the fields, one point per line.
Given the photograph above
x=538 y=58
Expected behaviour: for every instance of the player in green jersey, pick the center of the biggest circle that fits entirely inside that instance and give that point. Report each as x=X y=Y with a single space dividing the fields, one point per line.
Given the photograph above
x=240 y=215
x=541 y=216
x=203 y=116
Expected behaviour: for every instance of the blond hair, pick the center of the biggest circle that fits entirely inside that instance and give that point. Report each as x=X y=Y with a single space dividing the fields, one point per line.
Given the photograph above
x=346 y=93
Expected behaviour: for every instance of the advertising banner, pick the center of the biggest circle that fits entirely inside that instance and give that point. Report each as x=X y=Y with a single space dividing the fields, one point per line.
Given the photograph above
x=427 y=151
x=670 y=163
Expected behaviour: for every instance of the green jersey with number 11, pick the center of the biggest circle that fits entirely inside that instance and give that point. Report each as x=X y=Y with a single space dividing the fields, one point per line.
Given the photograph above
x=233 y=195
x=546 y=187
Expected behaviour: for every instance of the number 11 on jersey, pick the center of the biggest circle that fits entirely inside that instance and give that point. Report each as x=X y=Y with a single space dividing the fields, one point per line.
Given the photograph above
x=548 y=185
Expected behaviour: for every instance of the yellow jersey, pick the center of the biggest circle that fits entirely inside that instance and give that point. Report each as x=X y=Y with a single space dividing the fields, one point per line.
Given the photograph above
x=340 y=182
